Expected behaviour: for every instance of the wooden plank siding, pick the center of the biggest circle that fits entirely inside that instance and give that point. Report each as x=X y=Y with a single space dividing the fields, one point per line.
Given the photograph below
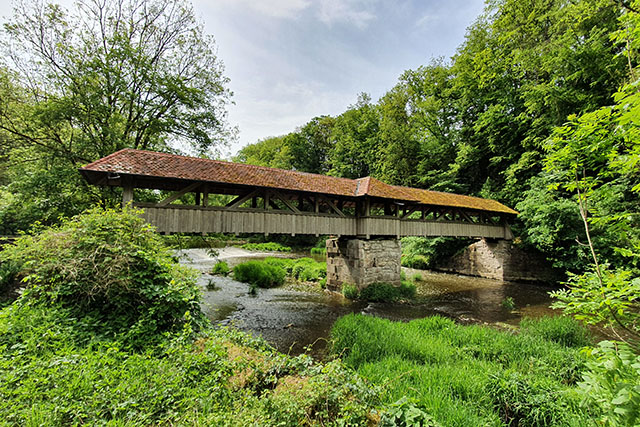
x=198 y=219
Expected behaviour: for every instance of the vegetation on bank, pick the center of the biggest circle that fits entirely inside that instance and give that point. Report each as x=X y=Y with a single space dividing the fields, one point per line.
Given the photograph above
x=109 y=329
x=381 y=292
x=474 y=375
x=266 y=246
x=272 y=272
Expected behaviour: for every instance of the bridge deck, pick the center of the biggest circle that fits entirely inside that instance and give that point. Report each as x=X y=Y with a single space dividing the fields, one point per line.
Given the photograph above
x=253 y=199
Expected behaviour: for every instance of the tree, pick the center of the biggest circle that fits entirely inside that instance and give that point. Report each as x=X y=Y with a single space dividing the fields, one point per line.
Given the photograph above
x=271 y=152
x=311 y=144
x=114 y=74
x=354 y=152
x=78 y=85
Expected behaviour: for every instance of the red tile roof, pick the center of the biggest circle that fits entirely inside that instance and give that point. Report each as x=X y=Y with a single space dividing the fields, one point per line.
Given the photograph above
x=163 y=165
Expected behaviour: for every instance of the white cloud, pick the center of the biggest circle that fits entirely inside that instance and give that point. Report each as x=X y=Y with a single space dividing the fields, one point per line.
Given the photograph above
x=355 y=12
x=271 y=8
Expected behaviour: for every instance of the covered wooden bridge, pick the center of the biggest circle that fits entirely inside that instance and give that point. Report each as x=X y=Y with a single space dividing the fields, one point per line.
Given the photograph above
x=211 y=196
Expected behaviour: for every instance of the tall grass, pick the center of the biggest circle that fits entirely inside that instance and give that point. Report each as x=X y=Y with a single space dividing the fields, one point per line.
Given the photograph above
x=466 y=375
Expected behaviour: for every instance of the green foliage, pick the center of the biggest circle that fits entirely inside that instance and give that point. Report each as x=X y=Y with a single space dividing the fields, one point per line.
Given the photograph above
x=111 y=271
x=77 y=84
x=260 y=274
x=613 y=383
x=425 y=252
x=508 y=303
x=349 y=291
x=379 y=292
x=466 y=375
x=406 y=413
x=613 y=301
x=49 y=376
x=267 y=246
x=221 y=268
x=560 y=329
x=318 y=251
x=524 y=401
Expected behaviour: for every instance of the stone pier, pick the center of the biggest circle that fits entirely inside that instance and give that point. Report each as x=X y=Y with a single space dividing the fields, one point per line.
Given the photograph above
x=362 y=262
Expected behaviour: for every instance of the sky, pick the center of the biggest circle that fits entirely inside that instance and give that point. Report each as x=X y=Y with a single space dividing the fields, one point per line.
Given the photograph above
x=292 y=60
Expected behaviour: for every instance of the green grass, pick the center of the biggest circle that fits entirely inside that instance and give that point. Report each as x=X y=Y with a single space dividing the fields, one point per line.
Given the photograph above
x=381 y=292
x=266 y=247
x=467 y=375
x=260 y=274
x=221 y=268
x=53 y=373
x=272 y=271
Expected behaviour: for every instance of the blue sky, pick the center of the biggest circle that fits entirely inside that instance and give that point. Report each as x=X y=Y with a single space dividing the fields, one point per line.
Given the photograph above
x=292 y=60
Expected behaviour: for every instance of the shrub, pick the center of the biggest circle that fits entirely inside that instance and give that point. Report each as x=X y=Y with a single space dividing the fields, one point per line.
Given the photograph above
x=407 y=290
x=349 y=291
x=323 y=283
x=261 y=274
x=379 y=292
x=564 y=330
x=109 y=268
x=221 y=268
x=611 y=383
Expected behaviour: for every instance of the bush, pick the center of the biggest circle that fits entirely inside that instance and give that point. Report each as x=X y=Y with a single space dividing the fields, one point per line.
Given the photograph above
x=109 y=268
x=407 y=290
x=349 y=291
x=564 y=330
x=612 y=383
x=221 y=268
x=260 y=274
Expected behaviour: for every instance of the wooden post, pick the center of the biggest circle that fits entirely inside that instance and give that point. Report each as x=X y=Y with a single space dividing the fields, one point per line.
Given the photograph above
x=197 y=198
x=205 y=196
x=127 y=195
x=316 y=204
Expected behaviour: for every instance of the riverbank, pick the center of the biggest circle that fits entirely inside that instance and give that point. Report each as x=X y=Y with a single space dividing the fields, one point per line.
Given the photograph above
x=298 y=319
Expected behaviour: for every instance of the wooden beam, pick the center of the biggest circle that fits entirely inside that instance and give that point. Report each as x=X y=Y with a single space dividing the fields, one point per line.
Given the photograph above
x=205 y=196
x=177 y=195
x=410 y=211
x=240 y=200
x=332 y=205
x=286 y=202
x=127 y=195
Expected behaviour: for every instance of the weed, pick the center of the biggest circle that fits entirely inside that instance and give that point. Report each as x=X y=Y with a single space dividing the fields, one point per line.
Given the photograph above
x=417 y=277
x=349 y=291
x=508 y=303
x=261 y=274
x=221 y=268
x=465 y=375
x=561 y=329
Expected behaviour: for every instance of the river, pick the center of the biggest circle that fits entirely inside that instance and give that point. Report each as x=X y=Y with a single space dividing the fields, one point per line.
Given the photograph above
x=296 y=321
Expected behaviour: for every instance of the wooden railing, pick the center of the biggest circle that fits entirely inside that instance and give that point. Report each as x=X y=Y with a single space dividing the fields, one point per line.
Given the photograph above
x=198 y=219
